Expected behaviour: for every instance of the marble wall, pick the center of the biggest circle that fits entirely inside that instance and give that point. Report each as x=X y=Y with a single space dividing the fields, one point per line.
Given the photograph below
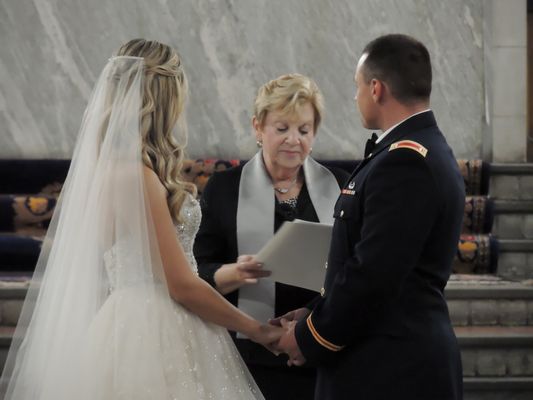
x=51 y=52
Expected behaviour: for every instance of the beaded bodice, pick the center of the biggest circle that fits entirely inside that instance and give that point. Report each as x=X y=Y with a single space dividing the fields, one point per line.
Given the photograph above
x=122 y=256
x=191 y=215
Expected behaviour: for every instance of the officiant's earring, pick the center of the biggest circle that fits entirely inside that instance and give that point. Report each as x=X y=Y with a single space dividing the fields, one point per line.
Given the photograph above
x=259 y=143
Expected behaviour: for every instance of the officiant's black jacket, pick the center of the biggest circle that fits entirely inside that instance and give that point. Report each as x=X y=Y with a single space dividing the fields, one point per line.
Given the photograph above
x=216 y=244
x=381 y=329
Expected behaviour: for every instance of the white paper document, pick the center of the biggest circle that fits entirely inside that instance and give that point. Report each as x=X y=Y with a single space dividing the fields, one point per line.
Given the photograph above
x=297 y=254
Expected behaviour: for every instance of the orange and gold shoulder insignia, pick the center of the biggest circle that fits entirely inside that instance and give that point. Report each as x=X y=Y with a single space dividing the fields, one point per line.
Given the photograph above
x=409 y=144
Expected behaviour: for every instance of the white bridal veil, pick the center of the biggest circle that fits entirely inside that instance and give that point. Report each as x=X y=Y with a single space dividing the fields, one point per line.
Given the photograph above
x=99 y=244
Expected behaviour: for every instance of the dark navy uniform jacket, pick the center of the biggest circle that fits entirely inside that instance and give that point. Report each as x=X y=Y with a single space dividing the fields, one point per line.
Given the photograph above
x=381 y=329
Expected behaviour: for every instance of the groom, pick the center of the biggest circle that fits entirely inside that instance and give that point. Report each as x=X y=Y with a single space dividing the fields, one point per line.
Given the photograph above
x=381 y=328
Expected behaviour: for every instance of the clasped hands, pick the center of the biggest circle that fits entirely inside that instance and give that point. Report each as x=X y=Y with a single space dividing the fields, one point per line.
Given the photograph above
x=287 y=341
x=278 y=335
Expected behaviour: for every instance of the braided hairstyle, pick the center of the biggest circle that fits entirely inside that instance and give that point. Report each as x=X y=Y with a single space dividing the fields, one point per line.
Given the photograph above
x=165 y=89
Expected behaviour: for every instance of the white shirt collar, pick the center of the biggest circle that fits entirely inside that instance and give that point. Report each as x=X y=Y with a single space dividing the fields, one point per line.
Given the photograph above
x=382 y=136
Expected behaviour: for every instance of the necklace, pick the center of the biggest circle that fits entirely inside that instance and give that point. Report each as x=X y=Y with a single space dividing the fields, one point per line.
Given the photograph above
x=285 y=190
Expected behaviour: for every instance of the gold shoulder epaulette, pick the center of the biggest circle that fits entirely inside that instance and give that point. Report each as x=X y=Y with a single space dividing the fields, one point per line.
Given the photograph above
x=409 y=144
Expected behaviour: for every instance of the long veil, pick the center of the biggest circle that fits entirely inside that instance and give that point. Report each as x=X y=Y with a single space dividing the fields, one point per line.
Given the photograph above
x=99 y=243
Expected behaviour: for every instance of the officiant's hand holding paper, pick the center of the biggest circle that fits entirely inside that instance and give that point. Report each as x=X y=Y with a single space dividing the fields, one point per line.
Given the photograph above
x=246 y=271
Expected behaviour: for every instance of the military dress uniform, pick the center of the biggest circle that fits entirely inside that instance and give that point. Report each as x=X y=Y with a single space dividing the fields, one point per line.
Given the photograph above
x=381 y=328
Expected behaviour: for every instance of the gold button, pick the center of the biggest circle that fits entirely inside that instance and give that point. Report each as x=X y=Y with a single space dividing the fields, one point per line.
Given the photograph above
x=342 y=213
x=322 y=292
x=326 y=265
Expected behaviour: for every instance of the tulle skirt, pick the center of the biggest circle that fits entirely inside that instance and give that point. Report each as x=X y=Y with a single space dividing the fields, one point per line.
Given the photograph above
x=167 y=354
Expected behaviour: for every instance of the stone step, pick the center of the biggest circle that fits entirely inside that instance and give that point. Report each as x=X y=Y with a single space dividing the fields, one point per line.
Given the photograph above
x=516 y=245
x=515 y=259
x=511 y=182
x=13 y=287
x=473 y=300
x=513 y=206
x=515 y=265
x=509 y=388
x=513 y=219
x=513 y=226
x=6 y=334
x=489 y=301
x=487 y=352
x=496 y=351
x=511 y=169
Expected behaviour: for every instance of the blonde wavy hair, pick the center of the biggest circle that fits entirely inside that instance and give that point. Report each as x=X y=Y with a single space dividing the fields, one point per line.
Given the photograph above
x=288 y=93
x=164 y=94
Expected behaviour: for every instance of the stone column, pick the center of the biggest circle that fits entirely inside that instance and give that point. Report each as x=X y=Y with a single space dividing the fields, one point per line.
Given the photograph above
x=505 y=53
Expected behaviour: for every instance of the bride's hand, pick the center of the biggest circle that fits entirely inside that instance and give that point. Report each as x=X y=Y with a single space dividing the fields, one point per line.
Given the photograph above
x=267 y=335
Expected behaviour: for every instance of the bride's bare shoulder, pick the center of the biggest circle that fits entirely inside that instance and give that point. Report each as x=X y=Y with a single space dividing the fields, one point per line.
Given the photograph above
x=153 y=184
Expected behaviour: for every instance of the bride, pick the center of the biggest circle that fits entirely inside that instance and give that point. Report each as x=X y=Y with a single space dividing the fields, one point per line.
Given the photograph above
x=116 y=309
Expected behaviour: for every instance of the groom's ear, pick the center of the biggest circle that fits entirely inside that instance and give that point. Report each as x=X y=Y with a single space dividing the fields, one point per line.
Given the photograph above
x=377 y=89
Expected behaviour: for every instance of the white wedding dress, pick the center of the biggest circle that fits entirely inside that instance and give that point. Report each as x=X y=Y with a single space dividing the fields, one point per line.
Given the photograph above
x=98 y=322
x=199 y=359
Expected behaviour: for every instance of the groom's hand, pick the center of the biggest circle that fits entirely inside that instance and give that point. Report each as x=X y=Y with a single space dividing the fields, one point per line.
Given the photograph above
x=287 y=344
x=294 y=315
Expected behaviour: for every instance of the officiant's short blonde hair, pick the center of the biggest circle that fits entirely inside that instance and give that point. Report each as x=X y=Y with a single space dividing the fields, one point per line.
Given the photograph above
x=288 y=93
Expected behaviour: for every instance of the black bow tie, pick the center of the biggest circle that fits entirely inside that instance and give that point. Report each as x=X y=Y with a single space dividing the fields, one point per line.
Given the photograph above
x=370 y=144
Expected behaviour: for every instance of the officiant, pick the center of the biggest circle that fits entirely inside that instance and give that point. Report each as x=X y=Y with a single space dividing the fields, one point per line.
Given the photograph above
x=243 y=207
